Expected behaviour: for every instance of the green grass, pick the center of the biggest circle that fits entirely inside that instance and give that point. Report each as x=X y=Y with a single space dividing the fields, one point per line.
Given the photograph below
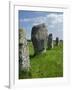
x=49 y=64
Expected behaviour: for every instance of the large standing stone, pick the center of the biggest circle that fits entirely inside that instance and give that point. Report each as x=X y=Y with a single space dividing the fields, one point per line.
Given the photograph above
x=39 y=36
x=24 y=62
x=57 y=41
x=50 y=41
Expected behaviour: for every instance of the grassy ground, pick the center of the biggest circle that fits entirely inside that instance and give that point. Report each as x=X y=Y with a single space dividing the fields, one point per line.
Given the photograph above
x=49 y=64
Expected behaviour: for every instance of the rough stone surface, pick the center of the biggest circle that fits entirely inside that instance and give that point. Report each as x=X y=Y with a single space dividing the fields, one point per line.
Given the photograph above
x=39 y=38
x=57 y=41
x=50 y=41
x=24 y=62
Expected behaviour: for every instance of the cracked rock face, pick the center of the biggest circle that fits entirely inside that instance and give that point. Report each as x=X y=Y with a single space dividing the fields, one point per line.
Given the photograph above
x=39 y=36
x=24 y=62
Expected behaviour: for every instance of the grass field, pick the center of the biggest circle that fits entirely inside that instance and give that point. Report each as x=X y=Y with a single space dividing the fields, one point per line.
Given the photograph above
x=49 y=64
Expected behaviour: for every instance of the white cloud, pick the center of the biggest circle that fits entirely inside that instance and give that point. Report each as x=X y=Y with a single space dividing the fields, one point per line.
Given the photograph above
x=39 y=20
x=55 y=18
x=35 y=21
x=51 y=19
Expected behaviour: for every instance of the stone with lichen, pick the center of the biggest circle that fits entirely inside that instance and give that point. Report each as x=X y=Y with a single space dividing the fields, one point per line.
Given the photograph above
x=24 y=62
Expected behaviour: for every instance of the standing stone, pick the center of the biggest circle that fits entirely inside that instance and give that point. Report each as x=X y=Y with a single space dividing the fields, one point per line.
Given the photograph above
x=50 y=41
x=24 y=62
x=57 y=41
x=39 y=36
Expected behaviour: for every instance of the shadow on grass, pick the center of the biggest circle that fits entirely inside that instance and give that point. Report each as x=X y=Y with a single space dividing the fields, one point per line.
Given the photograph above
x=32 y=56
x=25 y=75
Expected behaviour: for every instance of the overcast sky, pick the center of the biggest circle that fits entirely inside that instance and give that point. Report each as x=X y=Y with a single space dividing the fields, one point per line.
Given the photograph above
x=53 y=21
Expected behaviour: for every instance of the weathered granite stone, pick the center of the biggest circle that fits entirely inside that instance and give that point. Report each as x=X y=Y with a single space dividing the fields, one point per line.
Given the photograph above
x=57 y=41
x=50 y=41
x=24 y=62
x=39 y=36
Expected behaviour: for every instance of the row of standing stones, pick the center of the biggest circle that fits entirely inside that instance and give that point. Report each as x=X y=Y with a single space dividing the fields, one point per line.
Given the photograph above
x=41 y=42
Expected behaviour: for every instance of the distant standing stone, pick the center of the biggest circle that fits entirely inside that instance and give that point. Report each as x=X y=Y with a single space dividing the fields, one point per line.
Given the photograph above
x=50 y=41
x=57 y=41
x=24 y=62
x=39 y=36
